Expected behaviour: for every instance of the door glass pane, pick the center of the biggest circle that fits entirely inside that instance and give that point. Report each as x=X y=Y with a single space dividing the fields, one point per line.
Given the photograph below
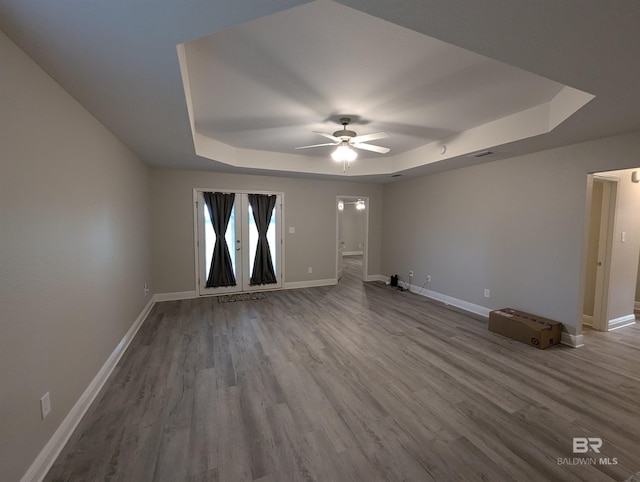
x=253 y=240
x=230 y=237
x=210 y=239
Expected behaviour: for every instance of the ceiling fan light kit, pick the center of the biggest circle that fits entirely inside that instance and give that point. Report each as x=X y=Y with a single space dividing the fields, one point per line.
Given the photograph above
x=344 y=153
x=359 y=204
x=347 y=140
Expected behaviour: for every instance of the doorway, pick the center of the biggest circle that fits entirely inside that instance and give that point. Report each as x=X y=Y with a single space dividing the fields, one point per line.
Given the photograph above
x=352 y=228
x=239 y=243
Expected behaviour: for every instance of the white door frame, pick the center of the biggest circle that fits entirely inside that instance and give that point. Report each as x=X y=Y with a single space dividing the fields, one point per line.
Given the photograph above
x=340 y=241
x=365 y=247
x=242 y=283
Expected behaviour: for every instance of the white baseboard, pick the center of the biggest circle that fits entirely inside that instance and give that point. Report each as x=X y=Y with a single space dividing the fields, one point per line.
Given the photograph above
x=621 y=322
x=637 y=305
x=48 y=455
x=180 y=295
x=292 y=285
x=575 y=341
x=352 y=253
x=377 y=277
x=449 y=300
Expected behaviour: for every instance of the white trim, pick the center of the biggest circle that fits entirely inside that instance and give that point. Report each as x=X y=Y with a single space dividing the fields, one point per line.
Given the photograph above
x=587 y=320
x=180 y=295
x=575 y=341
x=48 y=455
x=292 y=285
x=196 y=269
x=378 y=277
x=352 y=253
x=631 y=323
x=621 y=322
x=449 y=300
x=637 y=305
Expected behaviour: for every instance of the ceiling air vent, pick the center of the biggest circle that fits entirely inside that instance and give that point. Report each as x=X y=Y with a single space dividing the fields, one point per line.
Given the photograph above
x=481 y=154
x=396 y=175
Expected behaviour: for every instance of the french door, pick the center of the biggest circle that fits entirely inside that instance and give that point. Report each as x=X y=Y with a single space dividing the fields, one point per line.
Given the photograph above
x=238 y=241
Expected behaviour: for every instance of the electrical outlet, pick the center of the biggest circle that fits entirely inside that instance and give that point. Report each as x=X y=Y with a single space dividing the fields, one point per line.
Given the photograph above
x=487 y=293
x=45 y=405
x=410 y=274
x=428 y=278
x=146 y=288
x=310 y=269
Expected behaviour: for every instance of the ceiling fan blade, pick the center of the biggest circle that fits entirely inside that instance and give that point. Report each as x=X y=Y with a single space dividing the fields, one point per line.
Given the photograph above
x=370 y=137
x=371 y=147
x=317 y=145
x=328 y=136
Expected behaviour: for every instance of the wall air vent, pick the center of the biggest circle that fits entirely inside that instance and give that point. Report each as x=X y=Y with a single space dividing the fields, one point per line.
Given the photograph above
x=481 y=154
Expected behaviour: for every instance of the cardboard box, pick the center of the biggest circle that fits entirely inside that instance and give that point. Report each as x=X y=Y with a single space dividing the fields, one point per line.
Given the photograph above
x=525 y=327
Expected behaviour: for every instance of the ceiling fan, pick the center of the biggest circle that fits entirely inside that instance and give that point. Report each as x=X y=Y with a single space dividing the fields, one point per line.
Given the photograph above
x=346 y=140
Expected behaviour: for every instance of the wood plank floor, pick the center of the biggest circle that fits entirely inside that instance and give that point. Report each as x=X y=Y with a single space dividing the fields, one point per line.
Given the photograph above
x=356 y=382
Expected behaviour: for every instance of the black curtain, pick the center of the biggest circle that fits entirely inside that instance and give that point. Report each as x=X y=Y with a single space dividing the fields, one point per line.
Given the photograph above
x=262 y=206
x=220 y=206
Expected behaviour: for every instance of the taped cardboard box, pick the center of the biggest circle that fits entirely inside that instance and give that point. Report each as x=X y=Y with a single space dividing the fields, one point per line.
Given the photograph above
x=525 y=327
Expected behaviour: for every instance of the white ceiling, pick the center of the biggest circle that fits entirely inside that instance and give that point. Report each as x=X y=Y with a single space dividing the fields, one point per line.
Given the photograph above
x=267 y=84
x=260 y=76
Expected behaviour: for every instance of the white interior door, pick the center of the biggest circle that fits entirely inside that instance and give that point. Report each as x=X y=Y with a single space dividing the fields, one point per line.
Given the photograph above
x=241 y=238
x=605 y=240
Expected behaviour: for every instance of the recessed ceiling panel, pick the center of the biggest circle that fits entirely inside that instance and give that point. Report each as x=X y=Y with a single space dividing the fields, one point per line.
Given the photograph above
x=267 y=84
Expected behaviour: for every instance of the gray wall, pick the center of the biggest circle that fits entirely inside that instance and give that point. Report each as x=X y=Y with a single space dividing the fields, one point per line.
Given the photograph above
x=310 y=207
x=73 y=253
x=515 y=226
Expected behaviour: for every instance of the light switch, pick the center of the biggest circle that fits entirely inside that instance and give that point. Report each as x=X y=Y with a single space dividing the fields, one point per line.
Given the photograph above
x=292 y=230
x=624 y=236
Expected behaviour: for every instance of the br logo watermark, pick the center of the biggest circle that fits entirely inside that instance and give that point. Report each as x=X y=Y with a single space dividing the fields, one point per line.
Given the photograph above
x=582 y=445
x=591 y=446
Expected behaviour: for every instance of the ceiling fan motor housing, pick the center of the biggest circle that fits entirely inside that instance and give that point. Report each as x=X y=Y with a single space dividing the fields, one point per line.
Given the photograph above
x=346 y=139
x=344 y=134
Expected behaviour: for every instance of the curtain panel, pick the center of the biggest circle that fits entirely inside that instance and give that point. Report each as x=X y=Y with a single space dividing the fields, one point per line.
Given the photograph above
x=220 y=206
x=262 y=206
